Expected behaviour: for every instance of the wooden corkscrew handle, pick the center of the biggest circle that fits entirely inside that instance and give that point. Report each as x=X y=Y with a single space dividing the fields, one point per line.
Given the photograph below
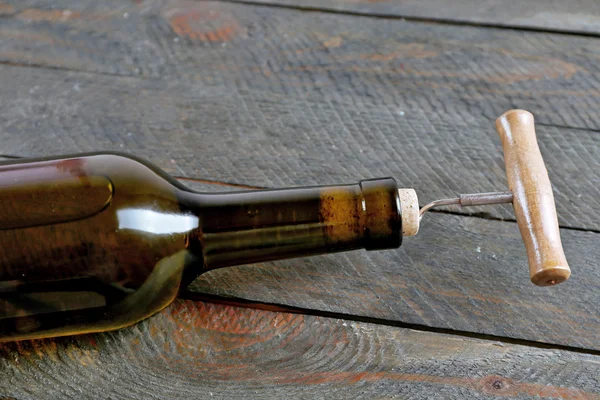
x=532 y=198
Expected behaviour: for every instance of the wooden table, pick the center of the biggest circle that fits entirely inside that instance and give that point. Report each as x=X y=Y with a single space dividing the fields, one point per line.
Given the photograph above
x=273 y=93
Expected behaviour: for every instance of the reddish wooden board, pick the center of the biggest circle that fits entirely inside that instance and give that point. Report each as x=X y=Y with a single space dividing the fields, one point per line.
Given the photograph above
x=207 y=351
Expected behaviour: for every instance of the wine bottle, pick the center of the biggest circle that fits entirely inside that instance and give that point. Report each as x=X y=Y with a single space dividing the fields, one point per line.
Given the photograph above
x=99 y=241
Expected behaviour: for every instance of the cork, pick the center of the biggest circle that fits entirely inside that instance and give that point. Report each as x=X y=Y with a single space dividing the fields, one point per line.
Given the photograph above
x=409 y=204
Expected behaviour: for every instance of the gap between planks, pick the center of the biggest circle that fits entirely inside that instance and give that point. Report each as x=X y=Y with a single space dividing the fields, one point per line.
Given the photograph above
x=373 y=14
x=575 y=128
x=425 y=20
x=56 y=68
x=273 y=307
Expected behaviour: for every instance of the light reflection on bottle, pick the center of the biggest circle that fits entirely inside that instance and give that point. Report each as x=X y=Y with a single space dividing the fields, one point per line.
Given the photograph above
x=155 y=222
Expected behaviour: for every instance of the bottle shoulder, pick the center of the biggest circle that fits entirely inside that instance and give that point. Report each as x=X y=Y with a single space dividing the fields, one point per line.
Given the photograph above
x=59 y=189
x=115 y=163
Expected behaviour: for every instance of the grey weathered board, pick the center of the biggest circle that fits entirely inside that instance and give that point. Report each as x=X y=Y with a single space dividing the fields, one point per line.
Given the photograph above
x=208 y=351
x=573 y=16
x=413 y=100
x=466 y=70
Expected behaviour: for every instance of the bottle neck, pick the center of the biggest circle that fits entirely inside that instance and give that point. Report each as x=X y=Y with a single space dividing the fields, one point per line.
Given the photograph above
x=256 y=226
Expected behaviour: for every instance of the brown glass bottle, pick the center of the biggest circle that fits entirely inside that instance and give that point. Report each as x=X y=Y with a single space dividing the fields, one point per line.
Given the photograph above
x=97 y=242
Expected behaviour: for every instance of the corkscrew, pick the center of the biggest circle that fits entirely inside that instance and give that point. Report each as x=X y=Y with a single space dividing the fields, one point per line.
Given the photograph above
x=530 y=192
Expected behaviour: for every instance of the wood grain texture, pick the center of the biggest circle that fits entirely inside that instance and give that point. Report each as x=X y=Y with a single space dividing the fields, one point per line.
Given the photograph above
x=207 y=351
x=394 y=64
x=579 y=16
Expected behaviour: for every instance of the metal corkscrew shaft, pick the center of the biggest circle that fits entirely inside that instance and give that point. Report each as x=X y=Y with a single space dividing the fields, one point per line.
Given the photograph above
x=474 y=199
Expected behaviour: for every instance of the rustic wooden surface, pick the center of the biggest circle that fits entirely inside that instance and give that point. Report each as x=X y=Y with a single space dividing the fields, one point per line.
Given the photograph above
x=272 y=96
x=201 y=350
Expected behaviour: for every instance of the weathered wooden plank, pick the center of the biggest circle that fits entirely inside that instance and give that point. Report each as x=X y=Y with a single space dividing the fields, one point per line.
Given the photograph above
x=207 y=351
x=392 y=64
x=273 y=140
x=579 y=16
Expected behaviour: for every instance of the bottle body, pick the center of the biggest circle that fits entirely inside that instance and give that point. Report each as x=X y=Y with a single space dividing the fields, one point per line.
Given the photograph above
x=98 y=242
